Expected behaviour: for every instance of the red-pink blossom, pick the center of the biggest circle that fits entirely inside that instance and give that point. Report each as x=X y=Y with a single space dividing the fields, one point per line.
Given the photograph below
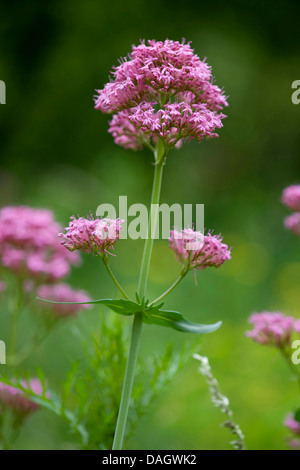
x=91 y=235
x=17 y=400
x=198 y=251
x=272 y=328
x=291 y=197
x=63 y=293
x=29 y=246
x=163 y=90
x=173 y=123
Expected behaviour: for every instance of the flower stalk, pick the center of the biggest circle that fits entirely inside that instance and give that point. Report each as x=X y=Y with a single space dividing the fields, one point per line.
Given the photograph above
x=138 y=318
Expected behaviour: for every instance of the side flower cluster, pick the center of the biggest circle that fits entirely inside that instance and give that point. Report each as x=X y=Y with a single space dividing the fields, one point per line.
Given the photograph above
x=95 y=236
x=197 y=251
x=163 y=90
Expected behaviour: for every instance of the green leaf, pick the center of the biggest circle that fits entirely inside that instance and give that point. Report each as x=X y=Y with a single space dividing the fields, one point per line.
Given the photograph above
x=176 y=320
x=152 y=315
x=121 y=306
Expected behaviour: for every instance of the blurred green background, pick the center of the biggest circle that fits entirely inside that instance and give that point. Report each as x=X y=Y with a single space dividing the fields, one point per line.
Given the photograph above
x=55 y=152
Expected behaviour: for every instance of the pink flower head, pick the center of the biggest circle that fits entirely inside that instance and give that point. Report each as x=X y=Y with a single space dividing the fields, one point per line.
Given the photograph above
x=173 y=123
x=272 y=328
x=29 y=246
x=292 y=424
x=291 y=197
x=63 y=293
x=94 y=236
x=162 y=90
x=17 y=400
x=292 y=222
x=297 y=326
x=197 y=251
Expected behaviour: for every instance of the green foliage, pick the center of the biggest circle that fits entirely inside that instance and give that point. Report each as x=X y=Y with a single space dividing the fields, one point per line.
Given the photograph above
x=152 y=315
x=90 y=395
x=176 y=321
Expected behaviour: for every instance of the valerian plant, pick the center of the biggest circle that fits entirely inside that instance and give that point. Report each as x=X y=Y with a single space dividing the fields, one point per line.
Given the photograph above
x=161 y=96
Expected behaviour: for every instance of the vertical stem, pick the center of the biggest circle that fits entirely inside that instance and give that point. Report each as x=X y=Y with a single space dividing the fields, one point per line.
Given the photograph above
x=138 y=319
x=128 y=382
x=151 y=230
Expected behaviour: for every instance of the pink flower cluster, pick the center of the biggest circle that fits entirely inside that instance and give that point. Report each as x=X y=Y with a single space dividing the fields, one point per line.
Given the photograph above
x=63 y=293
x=95 y=236
x=292 y=222
x=162 y=90
x=173 y=123
x=29 y=246
x=273 y=328
x=198 y=251
x=15 y=399
x=291 y=199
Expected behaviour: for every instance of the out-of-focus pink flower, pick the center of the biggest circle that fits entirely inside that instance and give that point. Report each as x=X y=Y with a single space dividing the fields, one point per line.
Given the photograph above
x=17 y=400
x=63 y=293
x=163 y=90
x=198 y=251
x=292 y=222
x=294 y=444
x=292 y=424
x=272 y=328
x=291 y=197
x=29 y=246
x=91 y=235
x=297 y=326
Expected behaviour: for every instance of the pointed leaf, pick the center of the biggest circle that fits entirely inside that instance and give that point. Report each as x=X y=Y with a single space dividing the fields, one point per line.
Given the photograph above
x=121 y=306
x=176 y=321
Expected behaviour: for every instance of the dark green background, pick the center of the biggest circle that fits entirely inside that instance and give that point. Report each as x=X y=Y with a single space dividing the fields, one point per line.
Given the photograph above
x=56 y=153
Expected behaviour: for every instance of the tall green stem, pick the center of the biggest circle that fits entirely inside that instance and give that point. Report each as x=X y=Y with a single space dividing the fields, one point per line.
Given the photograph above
x=151 y=230
x=128 y=382
x=138 y=319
